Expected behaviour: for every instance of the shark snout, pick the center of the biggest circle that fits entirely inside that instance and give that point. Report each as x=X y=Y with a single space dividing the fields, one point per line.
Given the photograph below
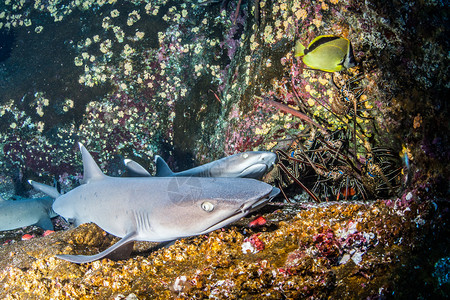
x=274 y=159
x=260 y=165
x=269 y=159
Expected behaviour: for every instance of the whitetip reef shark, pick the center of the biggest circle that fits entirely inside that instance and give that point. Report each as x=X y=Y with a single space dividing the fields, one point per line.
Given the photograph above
x=156 y=209
x=250 y=164
x=26 y=212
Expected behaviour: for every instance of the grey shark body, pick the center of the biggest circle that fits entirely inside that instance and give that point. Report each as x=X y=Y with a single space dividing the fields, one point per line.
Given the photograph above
x=251 y=164
x=155 y=209
x=26 y=212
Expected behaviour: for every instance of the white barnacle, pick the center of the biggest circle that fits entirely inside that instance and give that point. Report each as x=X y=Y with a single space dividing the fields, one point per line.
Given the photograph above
x=115 y=13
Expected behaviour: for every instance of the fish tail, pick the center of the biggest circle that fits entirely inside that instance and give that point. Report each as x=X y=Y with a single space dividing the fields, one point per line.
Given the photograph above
x=299 y=49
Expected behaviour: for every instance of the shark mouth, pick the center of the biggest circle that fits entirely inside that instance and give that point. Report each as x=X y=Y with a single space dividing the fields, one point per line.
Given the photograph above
x=257 y=170
x=254 y=171
x=275 y=191
x=243 y=210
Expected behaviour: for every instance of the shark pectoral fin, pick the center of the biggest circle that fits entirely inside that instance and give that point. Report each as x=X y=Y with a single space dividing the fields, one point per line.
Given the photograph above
x=166 y=244
x=118 y=250
x=136 y=169
x=162 y=169
x=123 y=252
x=45 y=223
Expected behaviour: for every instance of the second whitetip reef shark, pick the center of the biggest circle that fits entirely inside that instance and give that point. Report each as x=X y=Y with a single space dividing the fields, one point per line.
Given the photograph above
x=250 y=164
x=26 y=212
x=154 y=209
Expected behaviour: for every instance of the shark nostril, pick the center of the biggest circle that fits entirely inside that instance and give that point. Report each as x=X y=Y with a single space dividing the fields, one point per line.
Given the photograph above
x=270 y=159
x=275 y=160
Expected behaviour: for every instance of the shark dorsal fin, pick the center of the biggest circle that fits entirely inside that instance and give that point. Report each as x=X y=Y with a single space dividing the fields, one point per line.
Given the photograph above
x=136 y=169
x=162 y=169
x=91 y=170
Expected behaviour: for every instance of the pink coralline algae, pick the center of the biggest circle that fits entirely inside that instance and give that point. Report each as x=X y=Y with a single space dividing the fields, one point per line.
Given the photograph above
x=247 y=131
x=327 y=244
x=252 y=244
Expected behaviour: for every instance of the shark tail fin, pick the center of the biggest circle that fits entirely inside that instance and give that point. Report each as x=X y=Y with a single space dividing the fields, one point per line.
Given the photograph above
x=162 y=169
x=46 y=189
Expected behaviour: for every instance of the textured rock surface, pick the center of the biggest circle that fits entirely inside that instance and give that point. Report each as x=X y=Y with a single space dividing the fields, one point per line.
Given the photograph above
x=352 y=250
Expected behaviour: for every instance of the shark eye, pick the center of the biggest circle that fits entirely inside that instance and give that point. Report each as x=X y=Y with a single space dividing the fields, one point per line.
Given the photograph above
x=207 y=206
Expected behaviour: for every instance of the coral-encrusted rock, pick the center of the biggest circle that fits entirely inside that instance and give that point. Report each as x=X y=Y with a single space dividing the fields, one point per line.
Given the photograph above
x=88 y=235
x=295 y=262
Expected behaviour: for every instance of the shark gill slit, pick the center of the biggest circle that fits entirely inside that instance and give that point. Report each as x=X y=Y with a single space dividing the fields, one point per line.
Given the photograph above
x=142 y=221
